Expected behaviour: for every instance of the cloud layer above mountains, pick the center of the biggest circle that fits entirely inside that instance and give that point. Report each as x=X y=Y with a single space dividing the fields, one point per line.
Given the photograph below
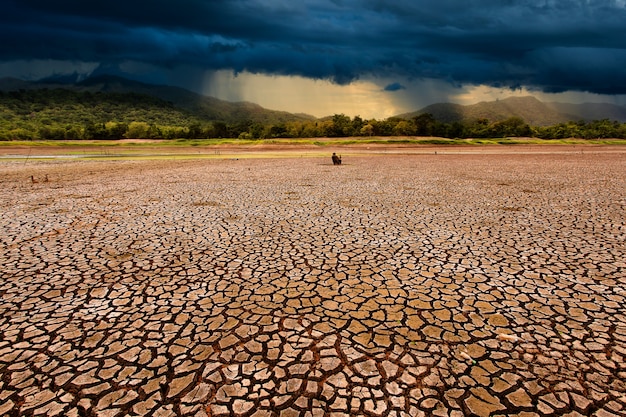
x=547 y=45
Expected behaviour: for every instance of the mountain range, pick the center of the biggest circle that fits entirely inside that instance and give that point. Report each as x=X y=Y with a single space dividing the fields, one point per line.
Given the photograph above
x=202 y=107
x=530 y=109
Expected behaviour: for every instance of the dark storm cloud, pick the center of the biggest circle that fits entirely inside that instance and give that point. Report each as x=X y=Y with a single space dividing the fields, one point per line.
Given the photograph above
x=552 y=45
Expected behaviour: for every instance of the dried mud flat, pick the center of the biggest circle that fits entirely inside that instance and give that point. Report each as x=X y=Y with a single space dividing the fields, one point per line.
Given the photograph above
x=394 y=285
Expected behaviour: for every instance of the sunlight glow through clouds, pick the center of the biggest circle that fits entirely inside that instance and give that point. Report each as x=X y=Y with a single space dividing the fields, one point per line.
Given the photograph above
x=476 y=94
x=366 y=97
x=388 y=58
x=302 y=95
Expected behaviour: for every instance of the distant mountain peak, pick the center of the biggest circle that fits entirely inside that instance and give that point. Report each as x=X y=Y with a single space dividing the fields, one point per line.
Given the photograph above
x=529 y=108
x=204 y=108
x=65 y=79
x=109 y=78
x=13 y=84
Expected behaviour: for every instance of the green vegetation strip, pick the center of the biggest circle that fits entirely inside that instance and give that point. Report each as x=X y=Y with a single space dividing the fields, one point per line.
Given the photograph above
x=307 y=142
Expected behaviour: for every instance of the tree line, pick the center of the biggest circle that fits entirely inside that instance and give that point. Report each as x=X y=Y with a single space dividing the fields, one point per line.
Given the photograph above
x=67 y=115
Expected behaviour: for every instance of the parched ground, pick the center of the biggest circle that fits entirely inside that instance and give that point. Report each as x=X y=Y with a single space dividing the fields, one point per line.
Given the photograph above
x=476 y=283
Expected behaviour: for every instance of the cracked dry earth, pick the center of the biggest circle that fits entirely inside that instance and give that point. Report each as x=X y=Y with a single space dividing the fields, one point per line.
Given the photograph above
x=424 y=285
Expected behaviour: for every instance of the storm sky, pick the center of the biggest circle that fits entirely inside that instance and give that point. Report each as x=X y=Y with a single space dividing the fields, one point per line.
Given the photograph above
x=375 y=58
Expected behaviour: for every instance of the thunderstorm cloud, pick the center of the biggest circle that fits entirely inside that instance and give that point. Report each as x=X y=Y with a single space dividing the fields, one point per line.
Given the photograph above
x=547 y=45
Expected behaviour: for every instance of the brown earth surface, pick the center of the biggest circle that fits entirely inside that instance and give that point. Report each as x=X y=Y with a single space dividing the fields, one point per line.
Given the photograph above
x=410 y=281
x=130 y=148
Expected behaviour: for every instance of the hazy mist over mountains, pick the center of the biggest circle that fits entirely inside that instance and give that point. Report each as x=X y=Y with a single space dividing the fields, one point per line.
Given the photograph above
x=530 y=109
x=533 y=111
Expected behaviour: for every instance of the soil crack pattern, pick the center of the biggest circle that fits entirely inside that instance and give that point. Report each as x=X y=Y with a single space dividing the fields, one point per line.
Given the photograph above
x=391 y=285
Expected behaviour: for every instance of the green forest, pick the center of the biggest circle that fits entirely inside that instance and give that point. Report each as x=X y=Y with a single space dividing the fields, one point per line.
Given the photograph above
x=59 y=114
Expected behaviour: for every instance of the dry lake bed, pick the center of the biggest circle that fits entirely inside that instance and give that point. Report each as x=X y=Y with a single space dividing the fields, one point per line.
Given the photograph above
x=474 y=283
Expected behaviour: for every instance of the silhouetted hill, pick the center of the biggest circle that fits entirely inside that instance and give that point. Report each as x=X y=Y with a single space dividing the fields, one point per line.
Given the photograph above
x=202 y=107
x=533 y=111
x=591 y=111
x=205 y=108
x=13 y=84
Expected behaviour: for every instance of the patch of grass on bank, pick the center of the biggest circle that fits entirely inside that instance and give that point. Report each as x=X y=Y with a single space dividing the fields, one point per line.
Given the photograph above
x=54 y=143
x=321 y=142
x=465 y=142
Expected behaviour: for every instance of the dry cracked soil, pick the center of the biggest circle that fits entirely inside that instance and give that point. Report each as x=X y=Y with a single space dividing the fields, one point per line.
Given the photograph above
x=394 y=285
